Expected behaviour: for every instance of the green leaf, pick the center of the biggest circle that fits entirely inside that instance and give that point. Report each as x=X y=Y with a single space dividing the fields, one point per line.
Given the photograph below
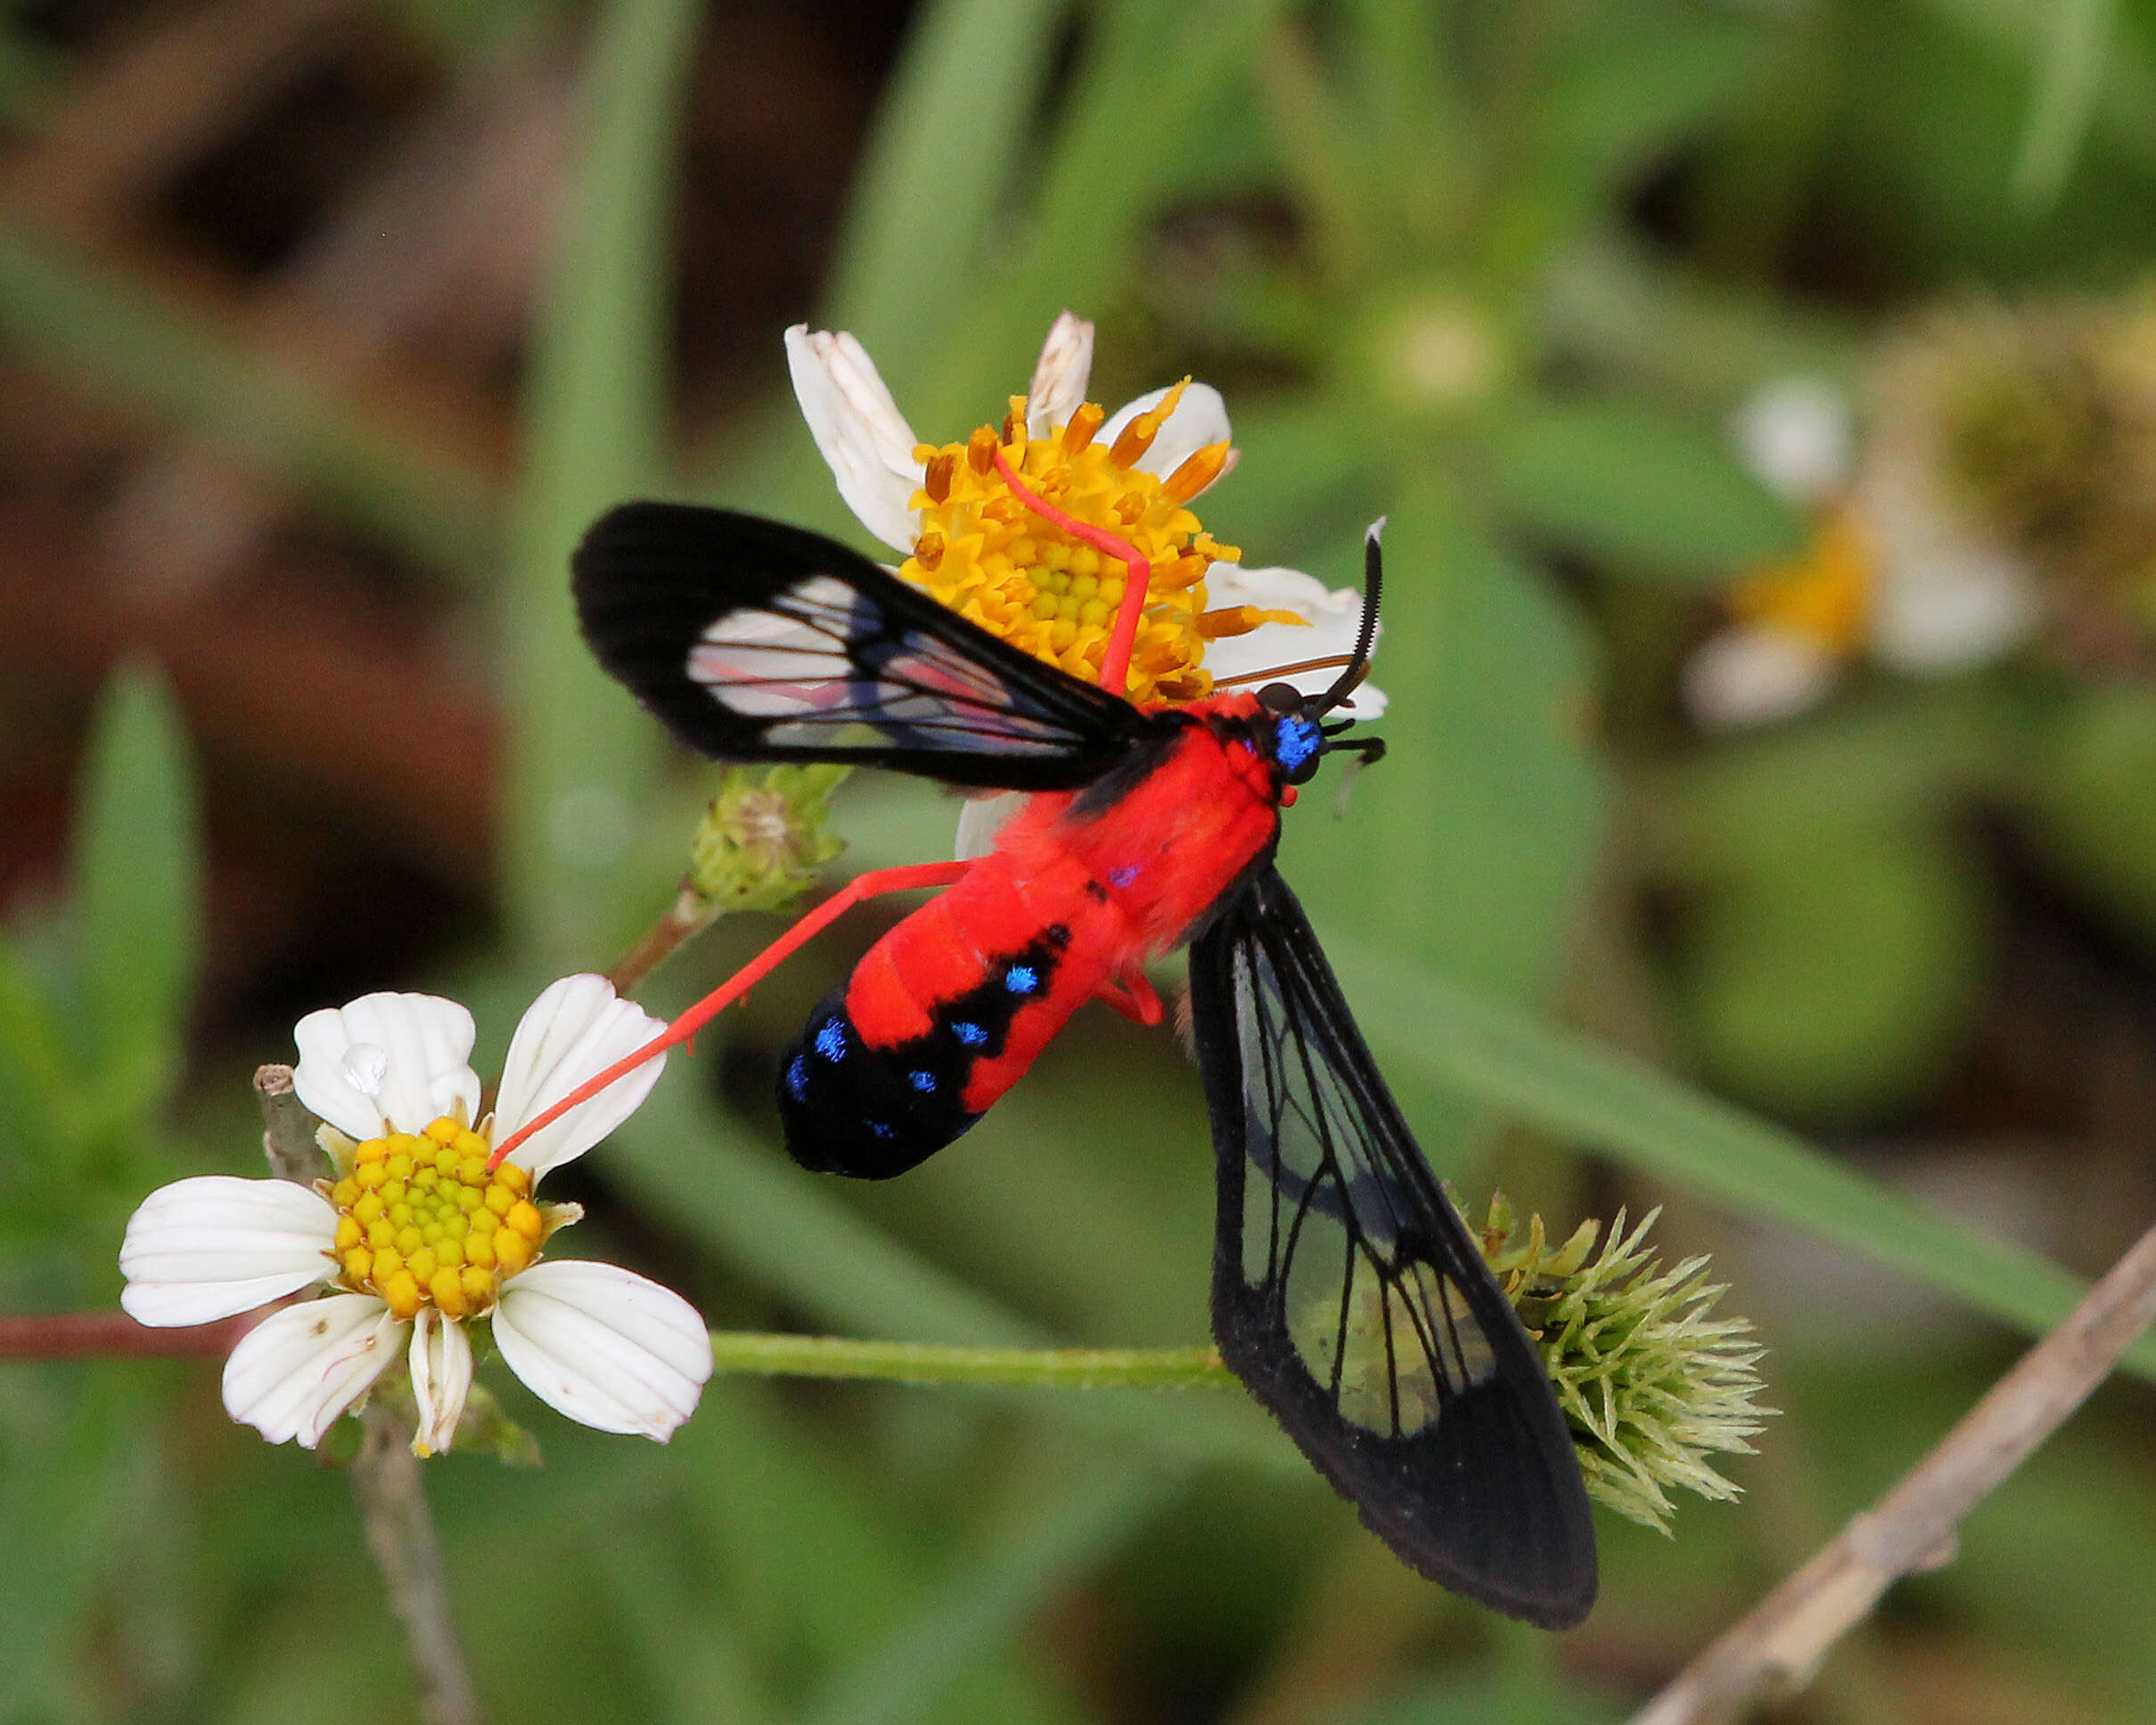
x=381 y=470
x=2087 y=792
x=137 y=878
x=2072 y=60
x=1469 y=847
x=1840 y=974
x=580 y=752
x=1657 y=498
x=952 y=129
x=1079 y=1518
x=36 y=1075
x=1423 y=1024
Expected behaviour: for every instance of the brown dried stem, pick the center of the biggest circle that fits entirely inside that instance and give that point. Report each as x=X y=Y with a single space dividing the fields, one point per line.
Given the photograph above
x=385 y=1478
x=1775 y=1650
x=400 y=1533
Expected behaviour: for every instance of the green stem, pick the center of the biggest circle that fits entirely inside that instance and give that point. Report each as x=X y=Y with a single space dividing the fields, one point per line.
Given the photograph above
x=923 y=1362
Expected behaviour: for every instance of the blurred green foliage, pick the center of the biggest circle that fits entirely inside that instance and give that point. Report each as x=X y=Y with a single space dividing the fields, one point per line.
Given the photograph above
x=1469 y=332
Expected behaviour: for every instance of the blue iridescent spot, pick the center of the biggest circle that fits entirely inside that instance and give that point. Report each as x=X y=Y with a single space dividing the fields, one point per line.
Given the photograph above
x=924 y=1082
x=1295 y=739
x=881 y=1127
x=831 y=1040
x=971 y=1035
x=796 y=1078
x=1124 y=876
x=1021 y=979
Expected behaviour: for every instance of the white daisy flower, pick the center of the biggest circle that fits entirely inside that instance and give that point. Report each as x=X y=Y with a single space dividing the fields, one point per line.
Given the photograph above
x=1887 y=574
x=963 y=536
x=418 y=1240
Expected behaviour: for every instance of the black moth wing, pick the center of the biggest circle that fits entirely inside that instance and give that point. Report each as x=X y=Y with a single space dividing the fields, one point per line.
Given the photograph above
x=1350 y=1297
x=756 y=641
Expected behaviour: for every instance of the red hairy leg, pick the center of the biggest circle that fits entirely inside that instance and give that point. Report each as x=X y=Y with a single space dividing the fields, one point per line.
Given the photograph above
x=872 y=884
x=1134 y=999
x=1115 y=660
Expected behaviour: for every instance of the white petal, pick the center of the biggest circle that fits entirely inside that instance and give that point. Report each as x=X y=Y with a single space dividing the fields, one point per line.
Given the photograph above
x=216 y=1245
x=1750 y=675
x=863 y=438
x=1796 y=436
x=574 y=1030
x=603 y=1346
x=1958 y=607
x=400 y=1058
x=441 y=1378
x=299 y=1368
x=1061 y=374
x=982 y=818
x=1336 y=618
x=1201 y=418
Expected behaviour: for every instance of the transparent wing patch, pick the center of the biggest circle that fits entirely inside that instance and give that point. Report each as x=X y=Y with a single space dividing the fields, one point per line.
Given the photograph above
x=1349 y=1296
x=757 y=641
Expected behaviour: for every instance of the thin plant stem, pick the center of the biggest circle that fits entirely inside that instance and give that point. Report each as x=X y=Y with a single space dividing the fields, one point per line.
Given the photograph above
x=385 y=1478
x=110 y=1334
x=1775 y=1649
x=400 y=1533
x=917 y=1362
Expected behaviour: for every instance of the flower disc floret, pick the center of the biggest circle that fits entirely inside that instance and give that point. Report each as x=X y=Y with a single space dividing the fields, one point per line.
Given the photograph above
x=966 y=535
x=420 y=1221
x=984 y=554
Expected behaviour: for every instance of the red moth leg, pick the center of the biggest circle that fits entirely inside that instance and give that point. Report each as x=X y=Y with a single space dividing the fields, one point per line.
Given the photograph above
x=1115 y=658
x=872 y=884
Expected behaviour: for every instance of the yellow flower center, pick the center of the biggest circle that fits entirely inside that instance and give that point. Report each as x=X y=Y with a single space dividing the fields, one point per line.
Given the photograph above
x=422 y=1222
x=990 y=557
x=1824 y=592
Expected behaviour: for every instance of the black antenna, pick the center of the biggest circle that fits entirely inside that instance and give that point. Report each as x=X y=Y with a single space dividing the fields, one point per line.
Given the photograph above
x=1359 y=661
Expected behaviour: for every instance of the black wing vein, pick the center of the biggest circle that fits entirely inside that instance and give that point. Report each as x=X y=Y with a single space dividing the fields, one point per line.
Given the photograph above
x=756 y=641
x=1349 y=1296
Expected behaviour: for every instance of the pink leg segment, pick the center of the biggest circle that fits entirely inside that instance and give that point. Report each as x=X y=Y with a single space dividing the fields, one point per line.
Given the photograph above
x=872 y=884
x=1115 y=662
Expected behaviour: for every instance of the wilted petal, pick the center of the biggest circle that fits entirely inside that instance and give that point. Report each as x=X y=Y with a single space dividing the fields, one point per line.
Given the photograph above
x=1335 y=619
x=441 y=1378
x=217 y=1245
x=299 y=1368
x=1059 y=377
x=1751 y=675
x=574 y=1030
x=603 y=1346
x=1199 y=419
x=1796 y=436
x=400 y=1058
x=862 y=436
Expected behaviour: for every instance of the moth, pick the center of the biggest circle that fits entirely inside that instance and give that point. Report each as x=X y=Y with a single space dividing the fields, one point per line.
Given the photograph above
x=1347 y=1294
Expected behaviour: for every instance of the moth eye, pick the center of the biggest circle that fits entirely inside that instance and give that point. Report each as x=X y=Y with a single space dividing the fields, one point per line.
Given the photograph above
x=1280 y=698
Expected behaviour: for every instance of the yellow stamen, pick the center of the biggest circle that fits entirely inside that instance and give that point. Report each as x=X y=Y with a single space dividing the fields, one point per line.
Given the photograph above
x=1137 y=438
x=936 y=477
x=1085 y=425
x=1197 y=472
x=989 y=556
x=1241 y=620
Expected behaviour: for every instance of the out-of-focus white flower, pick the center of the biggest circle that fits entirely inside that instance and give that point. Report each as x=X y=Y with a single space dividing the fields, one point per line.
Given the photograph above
x=966 y=539
x=1888 y=573
x=1796 y=435
x=417 y=1237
